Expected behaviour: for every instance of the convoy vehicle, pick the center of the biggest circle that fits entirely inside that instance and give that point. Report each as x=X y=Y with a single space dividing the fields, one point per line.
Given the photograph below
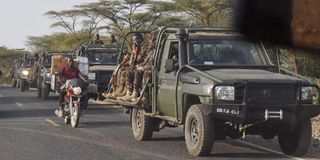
x=102 y=60
x=43 y=74
x=223 y=86
x=15 y=72
x=25 y=72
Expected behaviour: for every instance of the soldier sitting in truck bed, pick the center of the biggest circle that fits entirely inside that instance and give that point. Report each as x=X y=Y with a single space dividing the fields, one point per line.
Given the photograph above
x=122 y=80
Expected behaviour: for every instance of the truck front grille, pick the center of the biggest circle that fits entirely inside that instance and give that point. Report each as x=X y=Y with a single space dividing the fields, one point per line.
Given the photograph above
x=271 y=94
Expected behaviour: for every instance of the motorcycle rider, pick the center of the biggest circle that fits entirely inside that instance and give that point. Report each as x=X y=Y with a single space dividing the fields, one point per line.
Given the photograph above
x=66 y=73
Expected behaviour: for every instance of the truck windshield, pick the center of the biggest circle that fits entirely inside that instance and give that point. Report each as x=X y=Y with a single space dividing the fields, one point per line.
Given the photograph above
x=29 y=62
x=226 y=51
x=95 y=57
x=47 y=61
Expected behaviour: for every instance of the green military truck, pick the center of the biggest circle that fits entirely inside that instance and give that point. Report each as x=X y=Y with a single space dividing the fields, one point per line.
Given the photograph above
x=102 y=60
x=15 y=72
x=25 y=72
x=224 y=86
x=43 y=75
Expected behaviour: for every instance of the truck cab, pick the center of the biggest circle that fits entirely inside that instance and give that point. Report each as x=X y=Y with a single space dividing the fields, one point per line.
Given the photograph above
x=25 y=72
x=102 y=60
x=218 y=84
x=44 y=75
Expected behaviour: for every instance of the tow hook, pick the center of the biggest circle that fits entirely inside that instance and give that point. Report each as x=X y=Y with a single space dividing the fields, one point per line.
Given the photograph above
x=273 y=114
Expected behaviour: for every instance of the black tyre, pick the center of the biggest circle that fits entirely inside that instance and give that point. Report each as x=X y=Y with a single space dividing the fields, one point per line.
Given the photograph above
x=45 y=91
x=39 y=91
x=75 y=115
x=13 y=83
x=199 y=131
x=85 y=102
x=142 y=126
x=18 y=83
x=23 y=85
x=296 y=142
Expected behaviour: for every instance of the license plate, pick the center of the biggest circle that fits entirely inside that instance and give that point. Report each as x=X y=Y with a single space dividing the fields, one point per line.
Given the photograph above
x=92 y=76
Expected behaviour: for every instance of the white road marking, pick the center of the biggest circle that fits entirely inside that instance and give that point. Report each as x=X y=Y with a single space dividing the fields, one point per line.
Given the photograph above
x=33 y=89
x=1 y=95
x=113 y=146
x=19 y=104
x=52 y=122
x=268 y=150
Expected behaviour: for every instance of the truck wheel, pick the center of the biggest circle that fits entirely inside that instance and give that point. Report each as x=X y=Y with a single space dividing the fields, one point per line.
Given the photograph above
x=296 y=142
x=23 y=84
x=14 y=83
x=199 y=131
x=18 y=83
x=45 y=91
x=85 y=102
x=142 y=126
x=39 y=92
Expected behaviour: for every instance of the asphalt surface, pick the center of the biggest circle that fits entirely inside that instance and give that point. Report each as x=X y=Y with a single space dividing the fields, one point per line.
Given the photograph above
x=29 y=130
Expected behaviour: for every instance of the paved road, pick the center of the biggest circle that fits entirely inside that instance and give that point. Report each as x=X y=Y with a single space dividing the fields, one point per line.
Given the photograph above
x=30 y=130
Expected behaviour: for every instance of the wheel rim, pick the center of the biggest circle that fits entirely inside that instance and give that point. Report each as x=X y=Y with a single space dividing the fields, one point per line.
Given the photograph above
x=194 y=132
x=138 y=122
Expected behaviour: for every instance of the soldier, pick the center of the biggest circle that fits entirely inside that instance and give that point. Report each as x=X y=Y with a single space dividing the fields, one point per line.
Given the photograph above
x=143 y=70
x=136 y=58
x=97 y=40
x=121 y=81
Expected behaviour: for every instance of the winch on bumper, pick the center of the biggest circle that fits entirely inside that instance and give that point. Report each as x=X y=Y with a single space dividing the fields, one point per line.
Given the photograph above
x=257 y=102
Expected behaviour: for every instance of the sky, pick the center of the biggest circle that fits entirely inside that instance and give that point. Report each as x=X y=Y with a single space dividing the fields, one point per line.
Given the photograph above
x=22 y=18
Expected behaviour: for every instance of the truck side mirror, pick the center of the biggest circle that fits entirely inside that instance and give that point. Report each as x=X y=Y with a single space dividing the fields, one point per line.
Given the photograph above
x=169 y=66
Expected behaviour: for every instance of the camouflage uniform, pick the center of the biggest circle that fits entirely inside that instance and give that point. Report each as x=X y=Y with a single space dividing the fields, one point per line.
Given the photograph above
x=143 y=70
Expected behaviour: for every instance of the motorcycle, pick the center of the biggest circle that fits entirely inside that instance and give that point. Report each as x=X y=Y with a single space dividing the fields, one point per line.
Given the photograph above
x=74 y=101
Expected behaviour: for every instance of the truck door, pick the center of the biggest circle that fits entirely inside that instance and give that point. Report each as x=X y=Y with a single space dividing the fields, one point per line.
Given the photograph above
x=167 y=81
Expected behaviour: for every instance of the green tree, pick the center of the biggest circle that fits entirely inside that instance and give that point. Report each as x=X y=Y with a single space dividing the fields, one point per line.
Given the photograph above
x=207 y=13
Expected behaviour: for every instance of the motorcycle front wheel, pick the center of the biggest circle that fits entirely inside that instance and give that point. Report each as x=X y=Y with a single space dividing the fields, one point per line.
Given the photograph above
x=75 y=114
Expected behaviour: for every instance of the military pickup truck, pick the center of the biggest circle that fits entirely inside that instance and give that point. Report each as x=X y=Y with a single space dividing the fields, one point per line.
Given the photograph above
x=102 y=60
x=223 y=86
x=25 y=72
x=43 y=75
x=15 y=72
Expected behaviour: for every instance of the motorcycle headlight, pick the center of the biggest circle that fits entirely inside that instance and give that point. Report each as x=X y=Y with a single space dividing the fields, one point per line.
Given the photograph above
x=25 y=72
x=225 y=93
x=48 y=75
x=76 y=90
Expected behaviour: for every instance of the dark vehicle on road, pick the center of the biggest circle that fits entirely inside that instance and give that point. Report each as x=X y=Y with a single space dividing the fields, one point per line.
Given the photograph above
x=43 y=75
x=25 y=72
x=222 y=86
x=15 y=72
x=102 y=60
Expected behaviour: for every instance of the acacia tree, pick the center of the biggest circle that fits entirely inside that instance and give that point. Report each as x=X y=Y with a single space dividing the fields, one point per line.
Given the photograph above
x=207 y=13
x=80 y=23
x=131 y=15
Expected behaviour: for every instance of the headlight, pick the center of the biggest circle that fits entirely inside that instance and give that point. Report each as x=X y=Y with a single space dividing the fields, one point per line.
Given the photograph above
x=48 y=75
x=25 y=73
x=76 y=90
x=224 y=93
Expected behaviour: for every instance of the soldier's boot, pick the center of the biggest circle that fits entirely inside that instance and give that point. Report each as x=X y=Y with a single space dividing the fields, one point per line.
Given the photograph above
x=124 y=92
x=135 y=96
x=127 y=97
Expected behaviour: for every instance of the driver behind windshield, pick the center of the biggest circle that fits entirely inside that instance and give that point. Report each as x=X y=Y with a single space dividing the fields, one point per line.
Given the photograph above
x=66 y=73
